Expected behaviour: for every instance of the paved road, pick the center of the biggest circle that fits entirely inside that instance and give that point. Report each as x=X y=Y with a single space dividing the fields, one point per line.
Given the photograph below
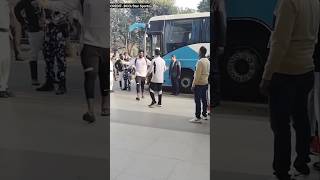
x=42 y=135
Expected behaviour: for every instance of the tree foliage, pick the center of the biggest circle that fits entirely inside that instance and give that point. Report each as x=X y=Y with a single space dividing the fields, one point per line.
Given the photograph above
x=204 y=6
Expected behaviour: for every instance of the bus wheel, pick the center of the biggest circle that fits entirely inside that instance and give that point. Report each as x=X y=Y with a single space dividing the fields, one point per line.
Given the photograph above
x=243 y=69
x=186 y=81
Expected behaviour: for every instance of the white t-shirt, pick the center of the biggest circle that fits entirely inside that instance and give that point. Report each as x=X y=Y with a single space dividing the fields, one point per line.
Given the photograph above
x=141 y=65
x=157 y=69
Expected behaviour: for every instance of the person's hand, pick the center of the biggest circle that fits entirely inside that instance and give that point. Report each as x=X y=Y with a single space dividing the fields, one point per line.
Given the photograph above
x=192 y=89
x=265 y=87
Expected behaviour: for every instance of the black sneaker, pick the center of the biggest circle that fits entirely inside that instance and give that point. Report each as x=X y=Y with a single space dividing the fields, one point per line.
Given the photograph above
x=137 y=98
x=3 y=94
x=283 y=176
x=35 y=83
x=10 y=94
x=19 y=58
x=302 y=167
x=46 y=87
x=61 y=91
x=152 y=104
x=89 y=118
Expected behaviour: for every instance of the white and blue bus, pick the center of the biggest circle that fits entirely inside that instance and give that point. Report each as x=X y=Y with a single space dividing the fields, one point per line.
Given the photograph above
x=181 y=35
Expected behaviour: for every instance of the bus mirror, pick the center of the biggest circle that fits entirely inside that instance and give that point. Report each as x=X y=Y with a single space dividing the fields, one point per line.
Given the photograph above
x=148 y=25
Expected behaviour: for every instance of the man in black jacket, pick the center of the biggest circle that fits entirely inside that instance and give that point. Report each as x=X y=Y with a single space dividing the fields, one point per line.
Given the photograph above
x=33 y=23
x=175 y=74
x=219 y=38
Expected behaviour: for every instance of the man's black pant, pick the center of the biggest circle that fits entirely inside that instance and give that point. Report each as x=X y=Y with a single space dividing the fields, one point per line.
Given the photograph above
x=288 y=99
x=55 y=51
x=175 y=85
x=141 y=81
x=215 y=90
x=200 y=95
x=95 y=63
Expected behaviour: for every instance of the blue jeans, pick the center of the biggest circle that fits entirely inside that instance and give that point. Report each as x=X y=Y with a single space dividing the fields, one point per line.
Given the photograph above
x=200 y=96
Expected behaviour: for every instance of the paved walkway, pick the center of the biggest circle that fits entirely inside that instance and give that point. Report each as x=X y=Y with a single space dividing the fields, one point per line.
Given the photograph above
x=157 y=143
x=242 y=144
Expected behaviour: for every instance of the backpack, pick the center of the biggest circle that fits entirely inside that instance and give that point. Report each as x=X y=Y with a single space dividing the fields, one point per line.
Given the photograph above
x=118 y=65
x=135 y=62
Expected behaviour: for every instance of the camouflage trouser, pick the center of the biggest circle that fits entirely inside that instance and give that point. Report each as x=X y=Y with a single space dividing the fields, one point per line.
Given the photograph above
x=55 y=50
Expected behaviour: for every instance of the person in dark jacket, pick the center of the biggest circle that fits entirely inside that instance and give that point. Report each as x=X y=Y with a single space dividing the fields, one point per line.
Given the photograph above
x=219 y=39
x=315 y=118
x=175 y=74
x=33 y=23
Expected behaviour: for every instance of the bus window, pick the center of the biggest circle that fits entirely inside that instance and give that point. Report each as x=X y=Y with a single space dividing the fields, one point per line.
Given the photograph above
x=180 y=33
x=156 y=43
x=204 y=30
x=148 y=45
x=153 y=42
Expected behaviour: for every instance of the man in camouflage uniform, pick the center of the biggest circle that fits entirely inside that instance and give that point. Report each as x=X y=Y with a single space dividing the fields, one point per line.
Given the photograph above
x=56 y=33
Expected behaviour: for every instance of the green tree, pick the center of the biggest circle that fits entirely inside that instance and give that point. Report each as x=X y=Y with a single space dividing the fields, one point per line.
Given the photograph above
x=204 y=6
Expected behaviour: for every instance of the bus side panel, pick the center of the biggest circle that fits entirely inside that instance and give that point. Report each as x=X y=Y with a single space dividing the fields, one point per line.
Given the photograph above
x=258 y=9
x=186 y=55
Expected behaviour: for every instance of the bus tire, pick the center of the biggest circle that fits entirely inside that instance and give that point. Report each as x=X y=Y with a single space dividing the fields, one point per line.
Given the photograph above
x=242 y=69
x=186 y=81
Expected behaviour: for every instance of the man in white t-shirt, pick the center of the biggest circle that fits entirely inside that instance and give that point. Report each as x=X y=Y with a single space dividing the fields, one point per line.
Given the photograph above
x=141 y=68
x=157 y=69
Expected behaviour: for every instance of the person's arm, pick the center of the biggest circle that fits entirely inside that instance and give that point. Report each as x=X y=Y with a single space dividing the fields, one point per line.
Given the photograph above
x=197 y=74
x=179 y=69
x=170 y=69
x=281 y=37
x=17 y=12
x=150 y=70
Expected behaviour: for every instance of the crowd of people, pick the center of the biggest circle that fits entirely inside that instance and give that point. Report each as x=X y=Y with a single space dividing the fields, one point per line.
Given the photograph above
x=47 y=26
x=150 y=71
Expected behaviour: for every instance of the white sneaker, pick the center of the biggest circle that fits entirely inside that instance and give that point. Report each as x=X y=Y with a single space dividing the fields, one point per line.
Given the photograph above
x=159 y=105
x=195 y=120
x=206 y=118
